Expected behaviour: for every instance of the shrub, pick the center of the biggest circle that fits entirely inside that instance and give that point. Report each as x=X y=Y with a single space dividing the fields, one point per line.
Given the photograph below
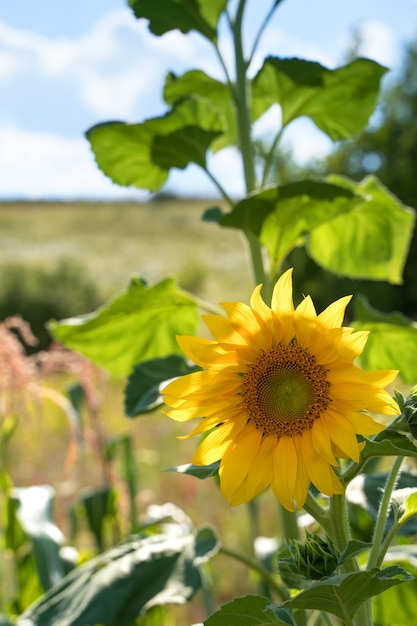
x=39 y=294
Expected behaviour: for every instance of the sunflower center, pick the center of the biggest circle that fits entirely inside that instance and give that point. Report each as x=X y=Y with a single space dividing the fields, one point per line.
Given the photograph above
x=285 y=390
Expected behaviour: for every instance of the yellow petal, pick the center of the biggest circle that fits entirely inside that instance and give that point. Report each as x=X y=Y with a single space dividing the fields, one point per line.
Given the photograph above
x=362 y=423
x=285 y=472
x=302 y=481
x=342 y=434
x=320 y=472
x=332 y=317
x=260 y=475
x=282 y=303
x=222 y=330
x=306 y=309
x=352 y=344
x=353 y=374
x=213 y=447
x=237 y=460
x=205 y=352
x=321 y=441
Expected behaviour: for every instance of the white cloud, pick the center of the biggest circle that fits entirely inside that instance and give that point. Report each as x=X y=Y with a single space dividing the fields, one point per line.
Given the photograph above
x=42 y=165
x=375 y=40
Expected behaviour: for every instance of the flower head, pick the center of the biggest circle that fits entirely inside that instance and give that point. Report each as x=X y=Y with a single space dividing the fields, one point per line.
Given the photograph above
x=280 y=397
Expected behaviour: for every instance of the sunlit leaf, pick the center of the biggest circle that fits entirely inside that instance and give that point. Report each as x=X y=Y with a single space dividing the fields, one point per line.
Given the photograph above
x=141 y=155
x=217 y=94
x=199 y=471
x=124 y=582
x=392 y=343
x=282 y=216
x=248 y=610
x=410 y=504
x=338 y=101
x=34 y=513
x=142 y=393
x=137 y=326
x=371 y=241
x=342 y=595
x=186 y=15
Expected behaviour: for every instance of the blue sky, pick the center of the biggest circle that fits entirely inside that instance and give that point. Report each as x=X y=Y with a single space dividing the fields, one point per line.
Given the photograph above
x=65 y=66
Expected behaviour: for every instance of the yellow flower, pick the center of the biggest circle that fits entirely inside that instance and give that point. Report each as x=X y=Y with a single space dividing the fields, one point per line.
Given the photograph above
x=279 y=395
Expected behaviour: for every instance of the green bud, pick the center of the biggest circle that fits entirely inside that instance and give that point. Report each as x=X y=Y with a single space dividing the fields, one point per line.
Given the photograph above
x=301 y=562
x=410 y=412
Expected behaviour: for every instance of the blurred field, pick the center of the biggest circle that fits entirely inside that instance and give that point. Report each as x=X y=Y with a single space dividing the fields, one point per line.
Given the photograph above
x=114 y=242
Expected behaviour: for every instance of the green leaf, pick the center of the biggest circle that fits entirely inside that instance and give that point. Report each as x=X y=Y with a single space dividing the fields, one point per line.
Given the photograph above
x=282 y=216
x=199 y=471
x=124 y=582
x=142 y=393
x=353 y=548
x=142 y=154
x=217 y=94
x=186 y=15
x=183 y=146
x=389 y=443
x=409 y=504
x=371 y=241
x=343 y=595
x=99 y=505
x=392 y=343
x=34 y=513
x=338 y=101
x=206 y=544
x=139 y=325
x=398 y=605
x=252 y=610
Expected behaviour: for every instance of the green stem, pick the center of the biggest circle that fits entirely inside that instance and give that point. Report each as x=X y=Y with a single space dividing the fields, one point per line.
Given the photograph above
x=240 y=94
x=320 y=514
x=289 y=524
x=219 y=187
x=259 y=568
x=262 y=28
x=382 y=513
x=270 y=156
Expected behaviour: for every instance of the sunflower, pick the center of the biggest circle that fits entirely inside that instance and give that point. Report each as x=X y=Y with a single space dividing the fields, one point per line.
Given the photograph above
x=280 y=396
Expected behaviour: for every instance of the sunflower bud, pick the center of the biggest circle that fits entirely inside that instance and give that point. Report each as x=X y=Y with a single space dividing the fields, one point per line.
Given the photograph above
x=410 y=412
x=299 y=563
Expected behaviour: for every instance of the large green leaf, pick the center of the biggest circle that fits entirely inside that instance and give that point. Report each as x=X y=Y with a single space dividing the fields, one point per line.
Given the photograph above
x=392 y=343
x=142 y=392
x=142 y=154
x=343 y=595
x=253 y=610
x=338 y=101
x=139 y=325
x=398 y=605
x=217 y=94
x=126 y=581
x=186 y=15
x=282 y=216
x=389 y=443
x=371 y=241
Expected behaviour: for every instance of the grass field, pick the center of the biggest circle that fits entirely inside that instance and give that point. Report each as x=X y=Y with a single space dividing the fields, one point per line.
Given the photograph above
x=114 y=242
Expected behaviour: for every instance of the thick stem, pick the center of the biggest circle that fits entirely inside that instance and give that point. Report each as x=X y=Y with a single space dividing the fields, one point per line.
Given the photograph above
x=289 y=524
x=240 y=94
